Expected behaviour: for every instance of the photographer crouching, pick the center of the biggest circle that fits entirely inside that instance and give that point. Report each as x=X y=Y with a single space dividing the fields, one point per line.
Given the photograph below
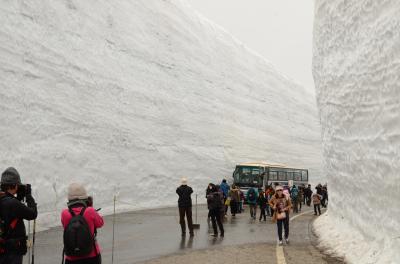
x=13 y=211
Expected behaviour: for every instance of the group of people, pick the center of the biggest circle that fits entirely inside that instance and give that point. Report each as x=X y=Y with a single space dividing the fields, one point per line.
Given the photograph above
x=276 y=202
x=80 y=221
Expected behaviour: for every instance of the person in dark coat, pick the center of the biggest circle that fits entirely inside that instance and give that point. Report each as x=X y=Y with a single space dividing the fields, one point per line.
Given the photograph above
x=208 y=191
x=215 y=204
x=185 y=206
x=308 y=192
x=262 y=203
x=13 y=212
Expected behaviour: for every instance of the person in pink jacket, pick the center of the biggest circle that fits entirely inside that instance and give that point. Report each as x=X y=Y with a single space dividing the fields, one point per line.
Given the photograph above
x=78 y=200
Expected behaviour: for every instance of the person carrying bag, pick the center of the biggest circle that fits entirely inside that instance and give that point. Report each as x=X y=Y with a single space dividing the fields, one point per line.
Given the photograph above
x=281 y=206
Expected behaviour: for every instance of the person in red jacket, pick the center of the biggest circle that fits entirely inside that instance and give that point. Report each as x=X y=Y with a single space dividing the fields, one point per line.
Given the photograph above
x=79 y=200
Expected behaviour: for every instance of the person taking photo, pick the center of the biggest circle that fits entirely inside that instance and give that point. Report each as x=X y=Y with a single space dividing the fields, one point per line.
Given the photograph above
x=12 y=213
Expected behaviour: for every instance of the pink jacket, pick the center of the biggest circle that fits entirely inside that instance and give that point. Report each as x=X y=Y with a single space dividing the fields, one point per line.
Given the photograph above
x=93 y=219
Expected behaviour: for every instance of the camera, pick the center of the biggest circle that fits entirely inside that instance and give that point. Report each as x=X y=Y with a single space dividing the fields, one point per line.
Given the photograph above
x=23 y=191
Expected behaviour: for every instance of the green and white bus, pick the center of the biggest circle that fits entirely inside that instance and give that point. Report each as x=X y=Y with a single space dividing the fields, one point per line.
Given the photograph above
x=262 y=174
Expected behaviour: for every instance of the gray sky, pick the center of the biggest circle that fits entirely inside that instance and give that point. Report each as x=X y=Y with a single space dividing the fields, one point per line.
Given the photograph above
x=279 y=30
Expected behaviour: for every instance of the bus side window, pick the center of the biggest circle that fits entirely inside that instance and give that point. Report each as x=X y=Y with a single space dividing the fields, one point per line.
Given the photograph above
x=281 y=175
x=304 y=176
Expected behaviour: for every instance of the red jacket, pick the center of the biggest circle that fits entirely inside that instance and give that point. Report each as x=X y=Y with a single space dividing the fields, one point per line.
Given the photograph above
x=93 y=219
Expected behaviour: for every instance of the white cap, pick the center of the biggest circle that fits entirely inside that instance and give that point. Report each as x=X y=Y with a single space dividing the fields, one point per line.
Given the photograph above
x=184 y=181
x=76 y=191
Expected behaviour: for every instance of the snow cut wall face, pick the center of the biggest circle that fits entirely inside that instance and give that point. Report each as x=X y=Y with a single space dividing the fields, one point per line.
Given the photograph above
x=129 y=96
x=356 y=69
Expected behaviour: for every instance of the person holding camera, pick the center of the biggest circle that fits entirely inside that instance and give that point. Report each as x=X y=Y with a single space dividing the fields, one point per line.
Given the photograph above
x=80 y=221
x=12 y=213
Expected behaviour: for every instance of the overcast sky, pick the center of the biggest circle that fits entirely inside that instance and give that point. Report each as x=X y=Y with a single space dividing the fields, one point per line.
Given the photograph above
x=279 y=30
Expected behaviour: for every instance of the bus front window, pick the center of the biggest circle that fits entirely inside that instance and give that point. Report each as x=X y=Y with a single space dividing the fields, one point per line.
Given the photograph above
x=248 y=177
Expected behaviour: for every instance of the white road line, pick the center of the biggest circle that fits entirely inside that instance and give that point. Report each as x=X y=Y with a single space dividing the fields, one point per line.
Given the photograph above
x=280 y=256
x=306 y=212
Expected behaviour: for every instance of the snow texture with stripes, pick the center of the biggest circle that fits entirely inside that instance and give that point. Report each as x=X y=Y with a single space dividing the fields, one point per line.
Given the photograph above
x=127 y=97
x=356 y=69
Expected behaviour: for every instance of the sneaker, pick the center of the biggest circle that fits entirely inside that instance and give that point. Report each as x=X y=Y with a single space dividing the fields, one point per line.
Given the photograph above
x=280 y=243
x=214 y=234
x=287 y=240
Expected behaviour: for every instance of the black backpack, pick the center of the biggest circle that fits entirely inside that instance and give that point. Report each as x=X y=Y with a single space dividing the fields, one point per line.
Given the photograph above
x=78 y=241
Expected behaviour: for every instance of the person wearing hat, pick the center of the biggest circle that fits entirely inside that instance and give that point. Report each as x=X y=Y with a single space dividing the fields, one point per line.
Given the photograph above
x=79 y=201
x=185 y=206
x=13 y=212
x=281 y=205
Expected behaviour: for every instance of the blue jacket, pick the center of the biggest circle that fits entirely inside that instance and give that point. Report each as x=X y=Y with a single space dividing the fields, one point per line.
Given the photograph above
x=225 y=188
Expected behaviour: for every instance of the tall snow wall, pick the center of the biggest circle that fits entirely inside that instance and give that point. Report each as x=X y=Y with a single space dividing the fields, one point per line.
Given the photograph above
x=129 y=96
x=356 y=68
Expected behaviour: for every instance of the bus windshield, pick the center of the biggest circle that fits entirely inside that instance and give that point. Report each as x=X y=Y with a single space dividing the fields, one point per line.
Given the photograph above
x=247 y=176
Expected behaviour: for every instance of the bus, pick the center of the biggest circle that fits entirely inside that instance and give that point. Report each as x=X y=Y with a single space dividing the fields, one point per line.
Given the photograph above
x=261 y=174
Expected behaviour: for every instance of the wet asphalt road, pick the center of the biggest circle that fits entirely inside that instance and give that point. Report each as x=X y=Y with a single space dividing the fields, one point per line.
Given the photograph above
x=146 y=235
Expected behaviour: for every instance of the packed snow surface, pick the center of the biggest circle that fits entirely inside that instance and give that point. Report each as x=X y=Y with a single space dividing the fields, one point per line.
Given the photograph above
x=356 y=72
x=129 y=96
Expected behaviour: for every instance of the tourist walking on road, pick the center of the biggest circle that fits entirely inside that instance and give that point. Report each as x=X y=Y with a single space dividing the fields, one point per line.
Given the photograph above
x=252 y=201
x=300 y=199
x=281 y=205
x=268 y=195
x=316 y=198
x=308 y=192
x=324 y=196
x=208 y=191
x=185 y=206
x=12 y=213
x=79 y=236
x=294 y=194
x=234 y=197
x=215 y=203
x=262 y=203
x=225 y=190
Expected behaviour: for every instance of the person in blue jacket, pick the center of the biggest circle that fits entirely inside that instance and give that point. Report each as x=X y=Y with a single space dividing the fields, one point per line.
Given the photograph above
x=251 y=198
x=225 y=190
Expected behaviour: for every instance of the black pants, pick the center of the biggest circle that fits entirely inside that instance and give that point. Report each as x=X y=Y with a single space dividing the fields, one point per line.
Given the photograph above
x=10 y=259
x=216 y=219
x=262 y=213
x=234 y=207
x=94 y=260
x=317 y=206
x=308 y=201
x=295 y=205
x=188 y=212
x=285 y=223
x=323 y=202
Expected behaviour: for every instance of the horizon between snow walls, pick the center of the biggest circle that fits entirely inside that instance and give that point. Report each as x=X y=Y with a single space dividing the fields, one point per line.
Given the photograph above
x=356 y=65
x=127 y=97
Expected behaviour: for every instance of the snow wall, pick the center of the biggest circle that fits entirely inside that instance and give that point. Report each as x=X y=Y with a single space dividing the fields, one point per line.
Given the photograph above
x=356 y=69
x=129 y=96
